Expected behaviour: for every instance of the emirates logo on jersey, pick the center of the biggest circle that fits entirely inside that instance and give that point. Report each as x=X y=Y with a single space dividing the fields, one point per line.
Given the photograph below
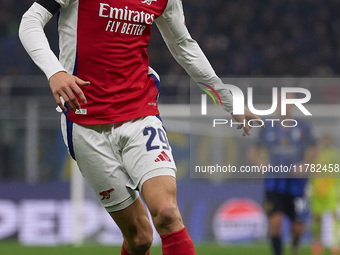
x=148 y=2
x=125 y=20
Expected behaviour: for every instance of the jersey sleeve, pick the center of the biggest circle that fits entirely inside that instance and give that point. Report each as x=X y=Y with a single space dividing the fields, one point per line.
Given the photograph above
x=63 y=3
x=33 y=38
x=187 y=52
x=50 y=5
x=53 y=5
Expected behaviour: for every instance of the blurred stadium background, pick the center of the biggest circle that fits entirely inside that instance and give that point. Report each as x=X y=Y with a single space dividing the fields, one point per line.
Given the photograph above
x=241 y=38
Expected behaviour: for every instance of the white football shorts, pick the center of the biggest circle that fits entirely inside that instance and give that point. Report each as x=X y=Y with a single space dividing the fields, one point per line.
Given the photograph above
x=116 y=159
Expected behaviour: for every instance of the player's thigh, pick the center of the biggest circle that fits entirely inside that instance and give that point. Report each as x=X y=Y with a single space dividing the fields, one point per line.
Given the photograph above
x=100 y=164
x=147 y=153
x=159 y=194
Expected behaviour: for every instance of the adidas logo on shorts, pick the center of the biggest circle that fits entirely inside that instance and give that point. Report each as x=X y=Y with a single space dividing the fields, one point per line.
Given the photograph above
x=163 y=157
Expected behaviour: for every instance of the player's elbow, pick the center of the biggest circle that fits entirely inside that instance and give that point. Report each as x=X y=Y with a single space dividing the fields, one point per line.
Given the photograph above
x=30 y=22
x=23 y=27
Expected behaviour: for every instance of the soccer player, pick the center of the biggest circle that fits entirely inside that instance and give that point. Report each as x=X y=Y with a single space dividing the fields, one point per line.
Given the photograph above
x=324 y=195
x=285 y=196
x=108 y=93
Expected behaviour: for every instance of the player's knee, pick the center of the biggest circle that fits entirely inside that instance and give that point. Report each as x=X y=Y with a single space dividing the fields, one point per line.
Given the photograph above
x=142 y=243
x=166 y=217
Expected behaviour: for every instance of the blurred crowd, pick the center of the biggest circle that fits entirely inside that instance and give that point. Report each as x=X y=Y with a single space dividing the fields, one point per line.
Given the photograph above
x=13 y=58
x=257 y=38
x=240 y=38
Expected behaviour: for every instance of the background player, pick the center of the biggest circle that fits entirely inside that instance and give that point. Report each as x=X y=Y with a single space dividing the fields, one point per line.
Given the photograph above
x=112 y=129
x=284 y=196
x=324 y=195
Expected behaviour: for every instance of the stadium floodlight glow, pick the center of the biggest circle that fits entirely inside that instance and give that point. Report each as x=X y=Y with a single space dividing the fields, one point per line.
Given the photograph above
x=239 y=102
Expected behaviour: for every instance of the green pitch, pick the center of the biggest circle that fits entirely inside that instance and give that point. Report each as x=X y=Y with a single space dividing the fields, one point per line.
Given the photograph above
x=8 y=248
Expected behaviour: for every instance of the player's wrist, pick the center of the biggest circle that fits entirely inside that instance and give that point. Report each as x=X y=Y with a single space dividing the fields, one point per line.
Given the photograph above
x=56 y=74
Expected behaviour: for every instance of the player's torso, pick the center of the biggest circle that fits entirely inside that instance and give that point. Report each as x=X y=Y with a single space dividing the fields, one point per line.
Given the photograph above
x=105 y=42
x=285 y=145
x=119 y=28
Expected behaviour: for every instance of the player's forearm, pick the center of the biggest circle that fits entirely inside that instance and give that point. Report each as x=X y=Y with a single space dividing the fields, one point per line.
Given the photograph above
x=189 y=55
x=33 y=38
x=187 y=52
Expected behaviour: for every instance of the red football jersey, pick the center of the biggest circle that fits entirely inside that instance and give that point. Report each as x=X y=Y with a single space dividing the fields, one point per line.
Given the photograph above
x=112 y=38
x=105 y=42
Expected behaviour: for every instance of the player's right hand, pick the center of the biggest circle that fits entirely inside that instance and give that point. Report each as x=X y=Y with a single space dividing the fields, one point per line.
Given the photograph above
x=65 y=85
x=248 y=116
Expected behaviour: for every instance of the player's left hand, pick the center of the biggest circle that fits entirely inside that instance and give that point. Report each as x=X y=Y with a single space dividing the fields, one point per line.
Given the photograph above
x=247 y=118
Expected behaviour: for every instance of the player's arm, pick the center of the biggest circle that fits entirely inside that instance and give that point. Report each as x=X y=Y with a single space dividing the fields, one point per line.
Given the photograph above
x=33 y=38
x=188 y=54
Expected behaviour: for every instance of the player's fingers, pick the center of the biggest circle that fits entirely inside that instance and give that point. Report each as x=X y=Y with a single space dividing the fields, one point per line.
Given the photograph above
x=259 y=121
x=78 y=91
x=80 y=94
x=59 y=103
x=81 y=82
x=246 y=130
x=68 y=100
x=71 y=99
x=253 y=118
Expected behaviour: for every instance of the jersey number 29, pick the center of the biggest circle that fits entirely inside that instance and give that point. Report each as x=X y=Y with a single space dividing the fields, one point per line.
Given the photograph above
x=152 y=132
